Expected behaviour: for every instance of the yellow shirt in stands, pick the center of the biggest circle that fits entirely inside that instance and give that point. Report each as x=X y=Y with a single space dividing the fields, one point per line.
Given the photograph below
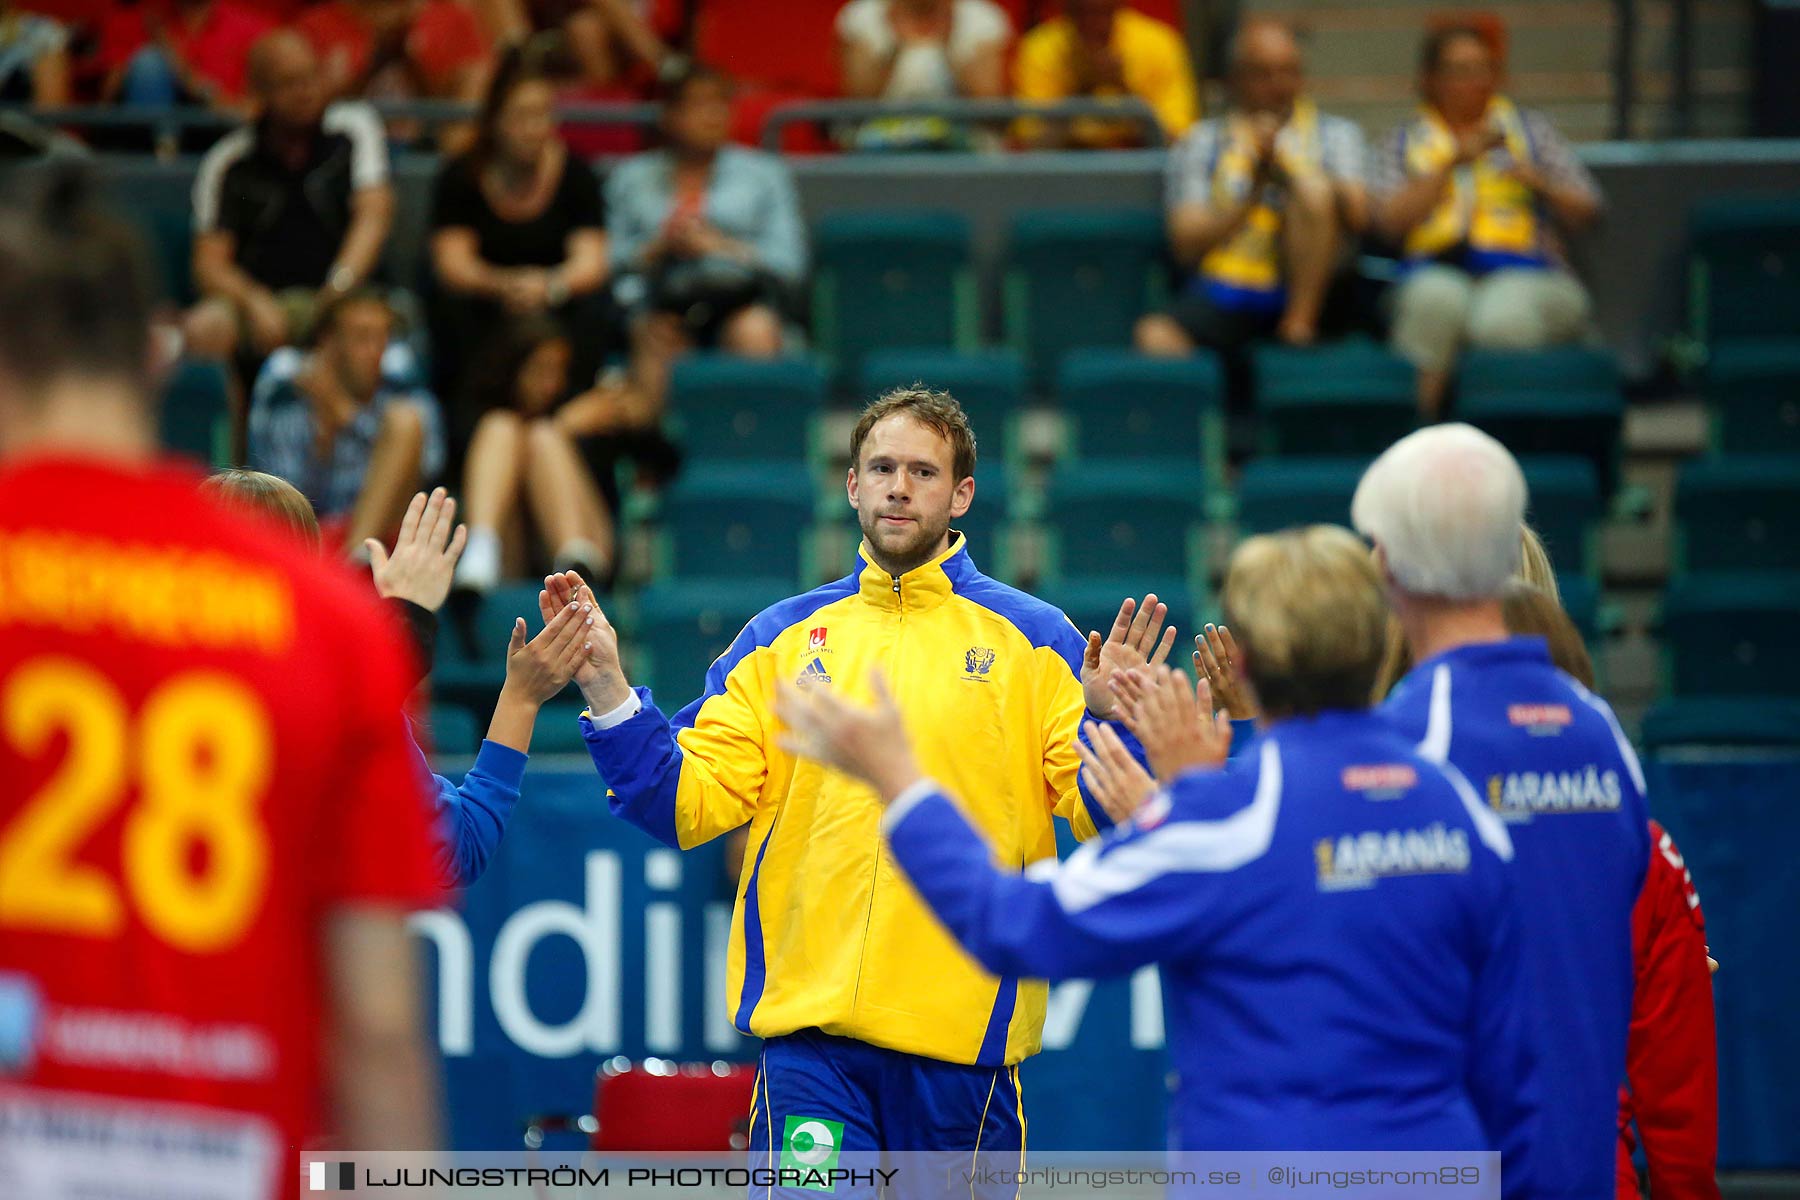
x=1152 y=58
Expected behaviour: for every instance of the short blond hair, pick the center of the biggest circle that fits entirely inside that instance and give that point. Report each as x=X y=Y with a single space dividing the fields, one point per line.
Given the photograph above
x=268 y=496
x=1308 y=608
x=937 y=411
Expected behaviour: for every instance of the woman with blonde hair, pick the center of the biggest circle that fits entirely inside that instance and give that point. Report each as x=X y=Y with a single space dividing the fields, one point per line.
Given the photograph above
x=1289 y=896
x=415 y=579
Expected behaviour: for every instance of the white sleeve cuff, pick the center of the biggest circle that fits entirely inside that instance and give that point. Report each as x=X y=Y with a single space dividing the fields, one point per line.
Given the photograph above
x=906 y=801
x=628 y=708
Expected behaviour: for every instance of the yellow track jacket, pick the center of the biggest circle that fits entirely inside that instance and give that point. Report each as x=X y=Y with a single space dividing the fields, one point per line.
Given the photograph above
x=827 y=933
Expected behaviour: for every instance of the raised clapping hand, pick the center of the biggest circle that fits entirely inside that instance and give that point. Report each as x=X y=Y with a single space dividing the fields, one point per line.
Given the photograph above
x=1114 y=777
x=425 y=553
x=1132 y=643
x=1173 y=721
x=598 y=674
x=538 y=669
x=1216 y=661
x=868 y=743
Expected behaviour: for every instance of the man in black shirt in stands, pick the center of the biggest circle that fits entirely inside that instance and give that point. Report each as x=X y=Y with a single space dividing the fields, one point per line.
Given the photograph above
x=290 y=211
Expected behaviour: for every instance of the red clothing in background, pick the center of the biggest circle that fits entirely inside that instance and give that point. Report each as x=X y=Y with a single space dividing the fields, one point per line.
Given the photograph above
x=1671 y=1056
x=444 y=38
x=214 y=39
x=205 y=758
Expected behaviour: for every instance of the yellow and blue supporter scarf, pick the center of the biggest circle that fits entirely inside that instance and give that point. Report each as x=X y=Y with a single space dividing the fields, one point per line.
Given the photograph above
x=1486 y=219
x=1244 y=270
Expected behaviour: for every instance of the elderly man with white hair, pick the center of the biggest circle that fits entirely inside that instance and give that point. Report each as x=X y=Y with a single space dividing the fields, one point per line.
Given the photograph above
x=1442 y=507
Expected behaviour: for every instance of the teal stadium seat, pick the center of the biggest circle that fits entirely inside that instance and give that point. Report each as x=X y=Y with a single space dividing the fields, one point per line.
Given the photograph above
x=1125 y=406
x=726 y=409
x=558 y=728
x=1565 y=508
x=1091 y=605
x=1713 y=722
x=891 y=279
x=744 y=520
x=195 y=418
x=450 y=731
x=1733 y=635
x=986 y=518
x=1753 y=390
x=1123 y=521
x=1563 y=400
x=1351 y=398
x=990 y=386
x=1739 y=513
x=1581 y=600
x=1744 y=267
x=1280 y=493
x=1080 y=277
x=685 y=624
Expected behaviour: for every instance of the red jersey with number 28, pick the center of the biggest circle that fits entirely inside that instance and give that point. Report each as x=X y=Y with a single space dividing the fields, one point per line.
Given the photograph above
x=201 y=757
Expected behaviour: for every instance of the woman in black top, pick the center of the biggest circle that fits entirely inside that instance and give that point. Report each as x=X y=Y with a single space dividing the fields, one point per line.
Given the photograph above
x=518 y=229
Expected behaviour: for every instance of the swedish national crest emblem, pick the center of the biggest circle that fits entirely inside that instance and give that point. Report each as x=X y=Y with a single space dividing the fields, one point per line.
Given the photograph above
x=978 y=661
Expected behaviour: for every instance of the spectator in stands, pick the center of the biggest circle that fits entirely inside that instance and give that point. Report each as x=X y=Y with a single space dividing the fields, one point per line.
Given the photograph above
x=517 y=228
x=1103 y=48
x=168 y=52
x=1262 y=204
x=400 y=49
x=291 y=212
x=355 y=441
x=920 y=50
x=524 y=478
x=707 y=238
x=34 y=64
x=1476 y=191
x=606 y=53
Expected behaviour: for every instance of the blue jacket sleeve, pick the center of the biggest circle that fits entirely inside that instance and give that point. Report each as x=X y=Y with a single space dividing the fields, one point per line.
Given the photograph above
x=1096 y=812
x=1110 y=909
x=472 y=816
x=1503 y=1067
x=640 y=762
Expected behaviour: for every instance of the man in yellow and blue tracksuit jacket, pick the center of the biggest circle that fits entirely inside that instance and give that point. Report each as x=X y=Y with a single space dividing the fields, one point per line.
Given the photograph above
x=881 y=1033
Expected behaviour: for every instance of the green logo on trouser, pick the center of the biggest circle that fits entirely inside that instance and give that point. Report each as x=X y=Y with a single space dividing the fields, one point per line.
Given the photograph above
x=810 y=1145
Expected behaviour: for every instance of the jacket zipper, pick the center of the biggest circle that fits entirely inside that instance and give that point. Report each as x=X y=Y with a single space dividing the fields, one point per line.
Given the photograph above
x=880 y=845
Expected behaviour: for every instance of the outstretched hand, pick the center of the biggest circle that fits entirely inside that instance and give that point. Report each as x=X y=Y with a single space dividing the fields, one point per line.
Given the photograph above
x=538 y=669
x=599 y=674
x=424 y=555
x=1114 y=777
x=1133 y=642
x=1217 y=661
x=1173 y=721
x=866 y=742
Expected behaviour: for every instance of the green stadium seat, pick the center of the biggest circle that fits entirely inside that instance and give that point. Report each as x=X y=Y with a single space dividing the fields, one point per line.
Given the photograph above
x=1723 y=721
x=1351 y=398
x=1739 y=513
x=729 y=409
x=196 y=413
x=1733 y=634
x=1121 y=405
x=891 y=279
x=1744 y=267
x=1563 y=400
x=1753 y=388
x=167 y=226
x=684 y=625
x=1565 y=507
x=1079 y=278
x=558 y=729
x=1279 y=493
x=1092 y=604
x=450 y=731
x=737 y=520
x=990 y=386
x=1581 y=600
x=985 y=518
x=1124 y=519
